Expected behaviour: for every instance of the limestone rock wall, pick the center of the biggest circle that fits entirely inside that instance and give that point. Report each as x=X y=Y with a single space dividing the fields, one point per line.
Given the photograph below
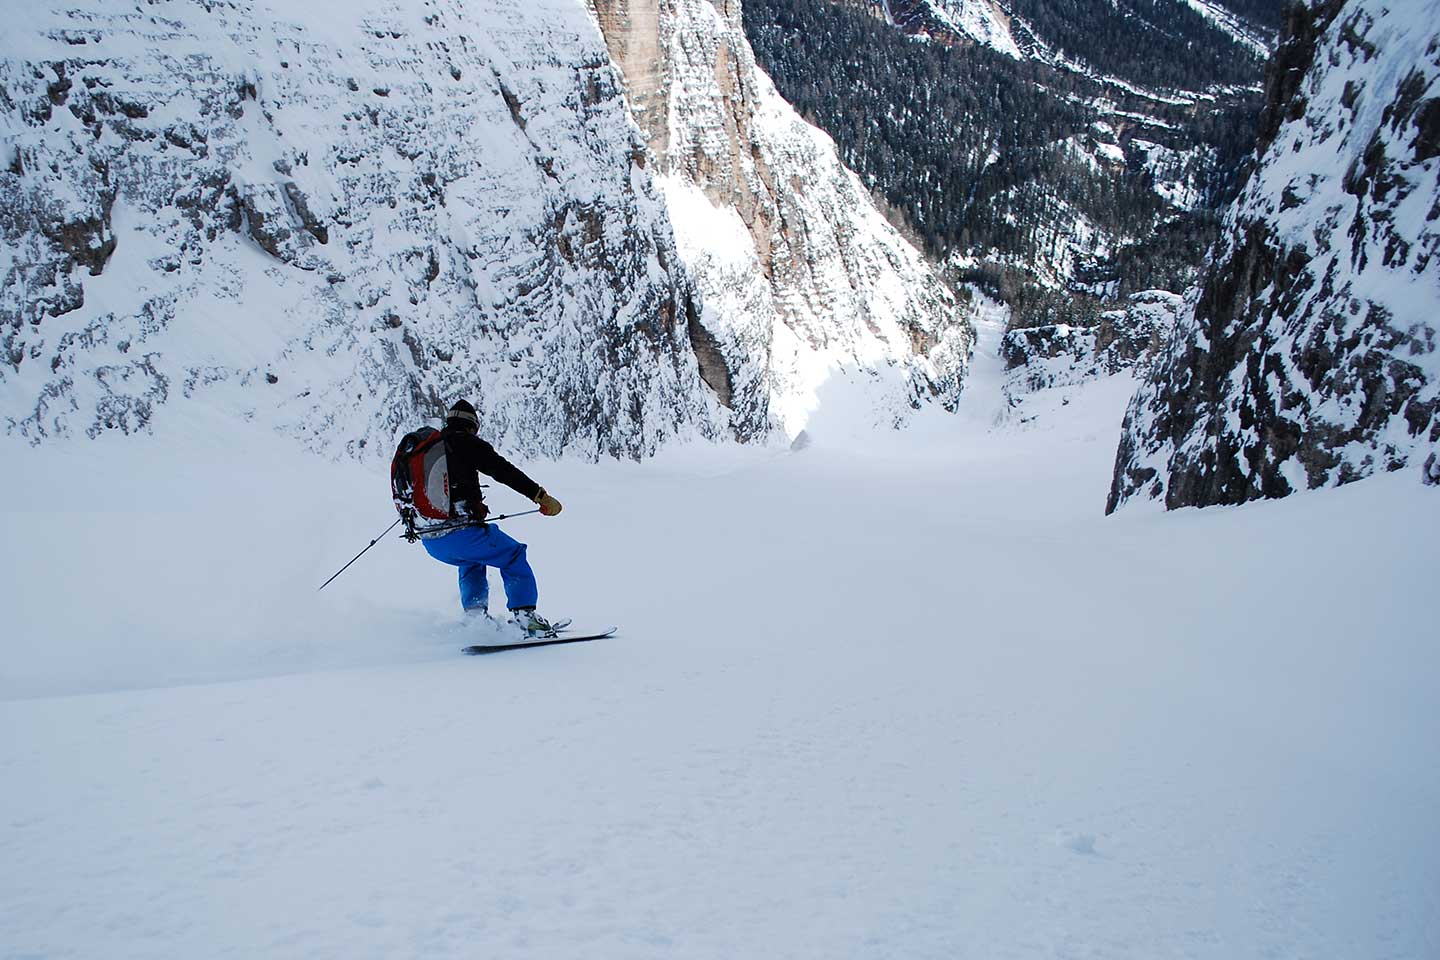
x=801 y=278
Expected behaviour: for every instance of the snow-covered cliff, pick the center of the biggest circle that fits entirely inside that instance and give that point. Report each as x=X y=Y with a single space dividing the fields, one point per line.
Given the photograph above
x=802 y=279
x=336 y=218
x=1308 y=355
x=1061 y=355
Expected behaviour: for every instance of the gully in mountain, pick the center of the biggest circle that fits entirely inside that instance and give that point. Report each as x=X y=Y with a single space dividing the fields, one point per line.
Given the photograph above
x=465 y=540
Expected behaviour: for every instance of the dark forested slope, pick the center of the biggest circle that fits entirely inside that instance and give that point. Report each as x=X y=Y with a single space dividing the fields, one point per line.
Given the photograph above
x=1052 y=184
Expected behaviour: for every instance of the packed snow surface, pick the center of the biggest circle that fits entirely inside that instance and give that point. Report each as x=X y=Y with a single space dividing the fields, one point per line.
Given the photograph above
x=889 y=695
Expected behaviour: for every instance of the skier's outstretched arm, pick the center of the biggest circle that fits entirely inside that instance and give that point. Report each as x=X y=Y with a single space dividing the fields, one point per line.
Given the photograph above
x=493 y=465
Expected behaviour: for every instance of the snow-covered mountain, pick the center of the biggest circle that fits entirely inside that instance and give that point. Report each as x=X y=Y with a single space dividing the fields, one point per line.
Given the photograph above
x=1307 y=357
x=337 y=217
x=928 y=703
x=1060 y=174
x=1044 y=31
x=801 y=276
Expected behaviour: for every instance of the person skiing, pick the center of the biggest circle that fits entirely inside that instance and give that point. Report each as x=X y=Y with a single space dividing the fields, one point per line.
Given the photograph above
x=476 y=545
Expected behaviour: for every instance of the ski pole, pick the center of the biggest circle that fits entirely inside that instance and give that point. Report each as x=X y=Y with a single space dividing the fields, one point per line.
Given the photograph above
x=359 y=555
x=507 y=516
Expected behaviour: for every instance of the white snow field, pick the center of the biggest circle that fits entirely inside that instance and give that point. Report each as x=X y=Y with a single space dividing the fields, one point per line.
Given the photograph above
x=899 y=695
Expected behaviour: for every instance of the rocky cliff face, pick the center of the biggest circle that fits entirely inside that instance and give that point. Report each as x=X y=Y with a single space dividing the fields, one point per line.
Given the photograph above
x=801 y=277
x=1307 y=357
x=1062 y=355
x=336 y=218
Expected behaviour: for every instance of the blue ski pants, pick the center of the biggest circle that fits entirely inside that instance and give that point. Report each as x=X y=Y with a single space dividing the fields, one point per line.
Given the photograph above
x=472 y=549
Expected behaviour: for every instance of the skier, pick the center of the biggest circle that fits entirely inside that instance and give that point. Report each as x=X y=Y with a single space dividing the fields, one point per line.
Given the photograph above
x=478 y=545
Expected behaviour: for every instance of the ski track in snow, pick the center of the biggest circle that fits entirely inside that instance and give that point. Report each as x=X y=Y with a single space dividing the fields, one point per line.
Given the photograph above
x=893 y=695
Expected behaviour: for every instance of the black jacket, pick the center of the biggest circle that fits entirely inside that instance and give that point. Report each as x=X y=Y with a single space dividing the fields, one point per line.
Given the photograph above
x=467 y=456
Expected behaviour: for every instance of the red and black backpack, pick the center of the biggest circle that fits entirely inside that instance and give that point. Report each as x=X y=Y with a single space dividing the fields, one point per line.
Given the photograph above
x=420 y=478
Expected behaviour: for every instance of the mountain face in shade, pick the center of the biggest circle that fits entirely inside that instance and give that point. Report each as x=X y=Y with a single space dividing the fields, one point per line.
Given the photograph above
x=337 y=220
x=1307 y=355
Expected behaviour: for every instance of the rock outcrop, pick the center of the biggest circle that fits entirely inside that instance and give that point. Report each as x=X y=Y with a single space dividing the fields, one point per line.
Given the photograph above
x=1062 y=355
x=1307 y=357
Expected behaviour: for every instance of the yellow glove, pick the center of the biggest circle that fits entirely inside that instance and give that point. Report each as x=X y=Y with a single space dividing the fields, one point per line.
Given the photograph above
x=549 y=506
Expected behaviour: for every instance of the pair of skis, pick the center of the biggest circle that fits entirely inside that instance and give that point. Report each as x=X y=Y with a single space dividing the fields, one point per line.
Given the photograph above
x=561 y=634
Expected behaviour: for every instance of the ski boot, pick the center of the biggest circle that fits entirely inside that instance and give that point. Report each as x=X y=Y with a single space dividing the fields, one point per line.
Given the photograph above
x=534 y=626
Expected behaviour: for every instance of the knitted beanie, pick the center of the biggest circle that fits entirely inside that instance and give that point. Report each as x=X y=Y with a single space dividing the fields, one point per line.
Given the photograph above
x=464 y=412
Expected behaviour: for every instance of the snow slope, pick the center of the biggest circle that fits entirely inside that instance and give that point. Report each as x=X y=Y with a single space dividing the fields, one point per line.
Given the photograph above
x=892 y=695
x=1233 y=25
x=982 y=21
